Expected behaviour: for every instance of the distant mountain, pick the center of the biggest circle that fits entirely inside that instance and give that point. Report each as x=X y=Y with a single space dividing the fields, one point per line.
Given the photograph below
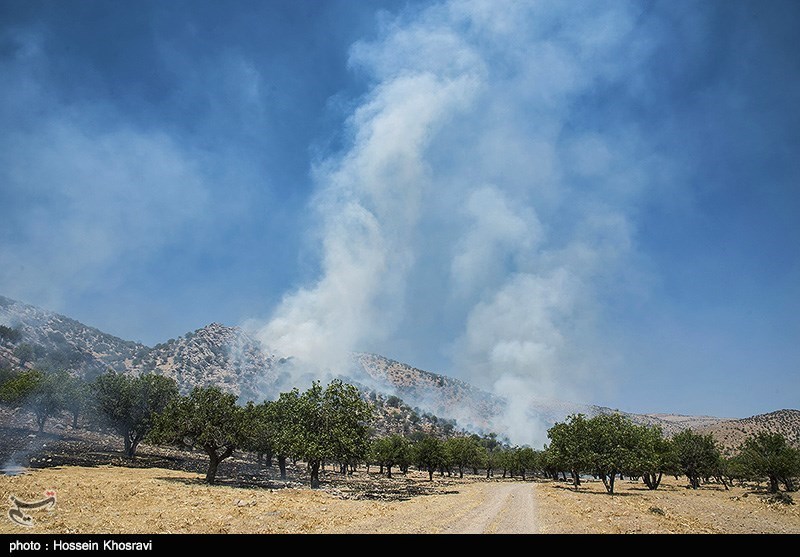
x=54 y=341
x=732 y=433
x=478 y=409
x=213 y=355
x=407 y=398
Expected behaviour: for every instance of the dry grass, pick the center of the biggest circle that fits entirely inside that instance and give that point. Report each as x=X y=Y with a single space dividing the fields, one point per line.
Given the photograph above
x=109 y=499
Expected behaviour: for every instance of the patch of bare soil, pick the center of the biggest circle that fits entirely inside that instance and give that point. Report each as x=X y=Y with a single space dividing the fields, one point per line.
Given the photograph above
x=672 y=508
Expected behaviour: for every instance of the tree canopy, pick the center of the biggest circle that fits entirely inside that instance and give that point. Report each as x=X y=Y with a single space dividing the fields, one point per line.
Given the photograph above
x=131 y=404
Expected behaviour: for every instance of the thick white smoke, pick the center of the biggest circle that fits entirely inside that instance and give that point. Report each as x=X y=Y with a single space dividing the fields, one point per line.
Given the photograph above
x=472 y=210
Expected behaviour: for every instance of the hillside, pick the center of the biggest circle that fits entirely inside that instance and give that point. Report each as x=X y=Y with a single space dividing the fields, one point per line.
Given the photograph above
x=213 y=355
x=53 y=341
x=407 y=399
x=732 y=433
x=480 y=410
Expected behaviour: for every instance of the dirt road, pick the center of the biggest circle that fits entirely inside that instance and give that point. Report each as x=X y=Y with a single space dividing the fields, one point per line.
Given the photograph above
x=508 y=508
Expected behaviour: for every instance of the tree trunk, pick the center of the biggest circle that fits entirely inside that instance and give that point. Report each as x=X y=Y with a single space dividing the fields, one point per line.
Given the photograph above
x=127 y=442
x=269 y=459
x=214 y=458
x=134 y=446
x=474 y=471
x=576 y=479
x=213 y=464
x=282 y=466
x=380 y=471
x=314 y=474
x=388 y=470
x=40 y=420
x=75 y=419
x=523 y=474
x=608 y=481
x=488 y=470
x=460 y=471
x=430 y=474
x=773 y=484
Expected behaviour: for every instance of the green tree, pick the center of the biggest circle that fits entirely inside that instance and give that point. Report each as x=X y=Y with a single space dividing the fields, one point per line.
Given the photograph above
x=130 y=404
x=282 y=416
x=769 y=455
x=394 y=450
x=208 y=417
x=570 y=446
x=261 y=430
x=462 y=452
x=10 y=335
x=18 y=386
x=613 y=446
x=654 y=456
x=76 y=395
x=328 y=424
x=429 y=454
x=696 y=455
x=48 y=397
x=525 y=459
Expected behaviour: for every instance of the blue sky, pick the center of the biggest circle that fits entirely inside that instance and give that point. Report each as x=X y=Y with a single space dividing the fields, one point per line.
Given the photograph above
x=597 y=201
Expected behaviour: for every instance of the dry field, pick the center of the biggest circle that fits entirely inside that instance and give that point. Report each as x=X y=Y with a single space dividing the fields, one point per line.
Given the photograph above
x=112 y=499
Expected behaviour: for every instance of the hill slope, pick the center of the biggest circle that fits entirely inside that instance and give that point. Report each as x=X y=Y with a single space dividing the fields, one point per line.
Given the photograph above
x=229 y=357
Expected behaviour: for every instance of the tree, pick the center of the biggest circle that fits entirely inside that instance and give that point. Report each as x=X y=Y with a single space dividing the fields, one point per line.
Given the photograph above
x=462 y=452
x=570 y=446
x=613 y=447
x=429 y=454
x=697 y=456
x=10 y=335
x=48 y=397
x=525 y=459
x=330 y=423
x=653 y=457
x=769 y=455
x=394 y=450
x=130 y=404
x=261 y=430
x=76 y=397
x=208 y=417
x=282 y=415
x=18 y=386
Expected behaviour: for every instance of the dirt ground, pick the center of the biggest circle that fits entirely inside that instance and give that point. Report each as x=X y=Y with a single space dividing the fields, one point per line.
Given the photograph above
x=111 y=499
x=161 y=490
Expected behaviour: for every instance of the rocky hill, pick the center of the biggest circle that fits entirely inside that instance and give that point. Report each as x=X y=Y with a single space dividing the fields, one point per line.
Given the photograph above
x=479 y=410
x=407 y=399
x=213 y=355
x=732 y=433
x=53 y=341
